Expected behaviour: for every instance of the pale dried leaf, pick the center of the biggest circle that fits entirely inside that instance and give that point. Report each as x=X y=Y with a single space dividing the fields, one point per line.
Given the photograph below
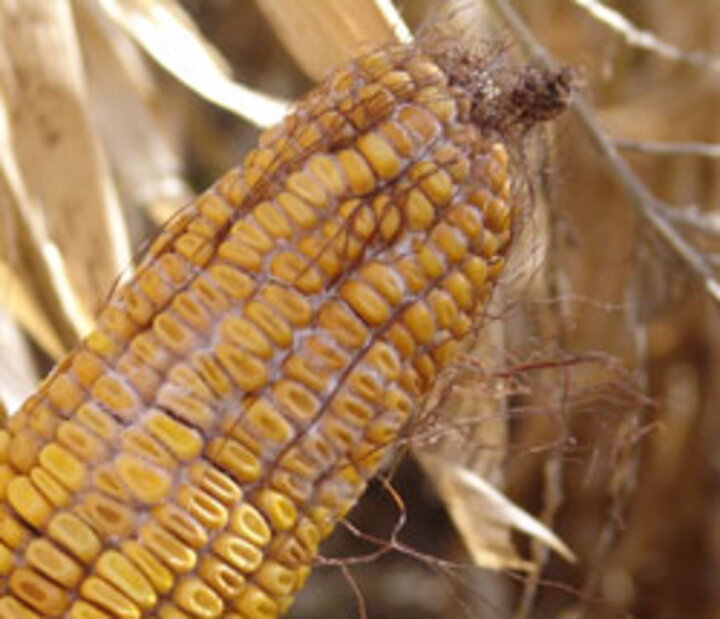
x=18 y=302
x=122 y=92
x=167 y=33
x=59 y=160
x=485 y=517
x=18 y=375
x=324 y=34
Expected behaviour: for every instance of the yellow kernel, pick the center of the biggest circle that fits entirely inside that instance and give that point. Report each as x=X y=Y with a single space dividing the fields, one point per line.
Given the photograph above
x=119 y=571
x=152 y=285
x=240 y=255
x=326 y=171
x=419 y=122
x=342 y=325
x=235 y=458
x=468 y=219
x=431 y=261
x=159 y=576
x=203 y=507
x=217 y=483
x=177 y=400
x=278 y=508
x=450 y=241
x=254 y=602
x=445 y=352
x=249 y=523
x=240 y=553
x=497 y=215
x=276 y=578
x=23 y=450
x=63 y=465
x=50 y=487
x=47 y=559
x=247 y=335
x=385 y=359
x=298 y=271
x=214 y=208
x=147 y=483
x=81 y=442
x=180 y=523
x=396 y=135
x=194 y=248
x=267 y=423
x=86 y=367
x=28 y=502
x=419 y=211
x=108 y=597
x=73 y=534
x=85 y=610
x=232 y=281
x=476 y=270
x=12 y=532
x=273 y=220
x=289 y=303
x=172 y=333
x=459 y=287
x=185 y=443
x=369 y=305
x=296 y=400
x=168 y=548
x=357 y=171
x=38 y=592
x=444 y=308
x=248 y=372
x=298 y=210
x=307 y=189
x=211 y=373
x=227 y=581
x=7 y=560
x=366 y=384
x=276 y=328
x=251 y=234
x=198 y=598
x=64 y=393
x=380 y=154
x=352 y=409
x=384 y=280
x=188 y=309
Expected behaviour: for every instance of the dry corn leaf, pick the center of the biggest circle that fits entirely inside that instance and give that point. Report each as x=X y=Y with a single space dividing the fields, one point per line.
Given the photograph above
x=18 y=302
x=122 y=92
x=168 y=34
x=60 y=163
x=17 y=371
x=324 y=34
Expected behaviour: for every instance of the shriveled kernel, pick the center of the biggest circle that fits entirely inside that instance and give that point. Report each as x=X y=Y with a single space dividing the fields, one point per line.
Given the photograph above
x=198 y=598
x=419 y=122
x=368 y=304
x=120 y=572
x=357 y=171
x=281 y=512
x=147 y=483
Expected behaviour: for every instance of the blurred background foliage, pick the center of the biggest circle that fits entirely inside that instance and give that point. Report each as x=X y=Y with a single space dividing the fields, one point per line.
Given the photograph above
x=592 y=404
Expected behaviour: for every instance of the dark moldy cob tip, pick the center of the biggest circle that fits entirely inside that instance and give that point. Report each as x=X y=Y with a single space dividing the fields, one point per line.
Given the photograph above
x=507 y=100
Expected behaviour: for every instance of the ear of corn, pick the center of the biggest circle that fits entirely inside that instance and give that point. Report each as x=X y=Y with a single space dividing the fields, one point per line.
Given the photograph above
x=190 y=456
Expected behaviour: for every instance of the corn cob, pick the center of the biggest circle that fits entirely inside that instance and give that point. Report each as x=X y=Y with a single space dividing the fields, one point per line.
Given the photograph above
x=187 y=459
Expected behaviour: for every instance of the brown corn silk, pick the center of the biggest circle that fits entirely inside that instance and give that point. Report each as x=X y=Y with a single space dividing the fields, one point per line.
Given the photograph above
x=187 y=459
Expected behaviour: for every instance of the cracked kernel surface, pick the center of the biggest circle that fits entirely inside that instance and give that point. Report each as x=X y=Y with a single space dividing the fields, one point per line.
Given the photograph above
x=190 y=456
